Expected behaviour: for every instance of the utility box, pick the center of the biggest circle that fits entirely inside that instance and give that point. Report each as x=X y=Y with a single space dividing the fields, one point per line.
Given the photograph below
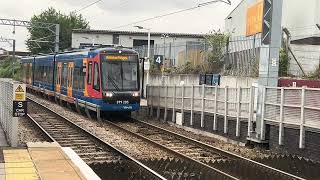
x=216 y=79
x=209 y=79
x=202 y=79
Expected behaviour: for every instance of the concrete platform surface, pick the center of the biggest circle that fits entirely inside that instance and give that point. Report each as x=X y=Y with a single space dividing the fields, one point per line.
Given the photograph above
x=45 y=163
x=3 y=139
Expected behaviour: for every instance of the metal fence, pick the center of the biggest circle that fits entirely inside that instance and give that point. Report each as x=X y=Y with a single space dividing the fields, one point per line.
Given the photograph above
x=8 y=122
x=299 y=107
x=177 y=53
x=242 y=56
x=227 y=102
x=283 y=107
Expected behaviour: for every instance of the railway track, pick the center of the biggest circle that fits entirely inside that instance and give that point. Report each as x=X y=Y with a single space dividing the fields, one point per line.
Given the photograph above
x=195 y=157
x=89 y=147
x=198 y=152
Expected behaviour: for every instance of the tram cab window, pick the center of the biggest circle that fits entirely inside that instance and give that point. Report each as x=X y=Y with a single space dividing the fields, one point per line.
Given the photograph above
x=90 y=73
x=96 y=78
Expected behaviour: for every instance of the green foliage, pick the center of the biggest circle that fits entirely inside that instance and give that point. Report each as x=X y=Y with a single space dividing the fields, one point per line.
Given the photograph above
x=284 y=63
x=67 y=23
x=7 y=66
x=154 y=68
x=187 y=68
x=217 y=41
x=315 y=75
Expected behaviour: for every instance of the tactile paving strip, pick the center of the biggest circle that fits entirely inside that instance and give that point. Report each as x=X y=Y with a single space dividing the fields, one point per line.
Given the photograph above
x=18 y=165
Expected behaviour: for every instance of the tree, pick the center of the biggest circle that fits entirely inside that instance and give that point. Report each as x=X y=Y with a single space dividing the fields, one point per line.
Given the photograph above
x=217 y=42
x=8 y=65
x=67 y=23
x=284 y=63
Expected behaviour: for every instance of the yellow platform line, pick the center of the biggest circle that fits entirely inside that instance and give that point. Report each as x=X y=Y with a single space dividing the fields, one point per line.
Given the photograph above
x=18 y=165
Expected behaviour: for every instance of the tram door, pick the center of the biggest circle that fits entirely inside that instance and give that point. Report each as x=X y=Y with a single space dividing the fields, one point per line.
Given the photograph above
x=70 y=78
x=93 y=79
x=58 y=81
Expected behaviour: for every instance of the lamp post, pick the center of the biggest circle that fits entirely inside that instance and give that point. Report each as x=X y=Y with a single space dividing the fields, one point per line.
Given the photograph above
x=164 y=36
x=148 y=54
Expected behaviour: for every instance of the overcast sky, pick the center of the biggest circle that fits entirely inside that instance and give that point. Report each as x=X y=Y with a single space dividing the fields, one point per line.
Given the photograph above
x=108 y=14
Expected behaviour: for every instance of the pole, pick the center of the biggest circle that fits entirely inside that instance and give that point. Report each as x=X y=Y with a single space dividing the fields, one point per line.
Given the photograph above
x=164 y=47
x=148 y=60
x=56 y=48
x=13 y=55
x=142 y=88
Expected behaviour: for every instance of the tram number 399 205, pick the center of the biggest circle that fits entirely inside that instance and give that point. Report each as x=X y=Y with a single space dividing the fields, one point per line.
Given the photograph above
x=122 y=102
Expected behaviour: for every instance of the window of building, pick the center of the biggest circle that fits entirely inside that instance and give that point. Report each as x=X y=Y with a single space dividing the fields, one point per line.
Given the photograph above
x=115 y=39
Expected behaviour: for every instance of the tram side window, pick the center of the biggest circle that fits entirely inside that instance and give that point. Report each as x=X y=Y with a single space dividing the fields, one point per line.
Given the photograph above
x=90 y=73
x=49 y=74
x=64 y=75
x=57 y=75
x=38 y=73
x=76 y=78
x=45 y=74
x=30 y=71
x=82 y=76
x=96 y=78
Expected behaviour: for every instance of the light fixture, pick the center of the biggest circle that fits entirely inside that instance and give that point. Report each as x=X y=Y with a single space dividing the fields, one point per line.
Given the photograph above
x=136 y=94
x=109 y=94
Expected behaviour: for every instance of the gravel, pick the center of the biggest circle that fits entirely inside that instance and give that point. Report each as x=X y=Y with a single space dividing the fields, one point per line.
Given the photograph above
x=28 y=132
x=128 y=144
x=236 y=149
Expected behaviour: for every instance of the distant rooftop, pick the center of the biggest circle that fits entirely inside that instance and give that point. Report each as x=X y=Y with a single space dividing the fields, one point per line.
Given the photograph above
x=137 y=33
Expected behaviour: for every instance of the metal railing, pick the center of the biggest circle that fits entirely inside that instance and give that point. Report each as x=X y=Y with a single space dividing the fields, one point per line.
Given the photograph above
x=297 y=108
x=294 y=107
x=227 y=102
x=8 y=122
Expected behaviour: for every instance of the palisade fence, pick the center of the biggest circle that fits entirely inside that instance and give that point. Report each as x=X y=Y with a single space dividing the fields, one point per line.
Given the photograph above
x=227 y=102
x=8 y=122
x=283 y=107
x=298 y=107
x=178 y=53
x=241 y=54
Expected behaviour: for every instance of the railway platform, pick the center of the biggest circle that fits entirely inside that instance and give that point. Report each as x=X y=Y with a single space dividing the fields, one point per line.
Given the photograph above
x=3 y=140
x=47 y=161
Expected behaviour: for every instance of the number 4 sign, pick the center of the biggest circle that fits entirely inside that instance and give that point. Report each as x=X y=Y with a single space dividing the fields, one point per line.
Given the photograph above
x=158 y=59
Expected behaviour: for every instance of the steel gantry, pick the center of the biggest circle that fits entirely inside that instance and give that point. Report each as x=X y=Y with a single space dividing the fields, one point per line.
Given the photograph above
x=54 y=28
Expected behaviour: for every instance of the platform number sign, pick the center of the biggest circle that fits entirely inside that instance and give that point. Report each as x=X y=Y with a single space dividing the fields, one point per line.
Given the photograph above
x=158 y=60
x=19 y=100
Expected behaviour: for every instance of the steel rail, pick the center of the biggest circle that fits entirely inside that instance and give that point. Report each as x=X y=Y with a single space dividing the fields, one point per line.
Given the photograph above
x=218 y=150
x=157 y=175
x=41 y=128
x=172 y=151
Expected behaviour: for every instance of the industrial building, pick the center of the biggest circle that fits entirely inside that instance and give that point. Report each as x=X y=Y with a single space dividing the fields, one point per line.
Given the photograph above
x=128 y=38
x=301 y=19
x=177 y=48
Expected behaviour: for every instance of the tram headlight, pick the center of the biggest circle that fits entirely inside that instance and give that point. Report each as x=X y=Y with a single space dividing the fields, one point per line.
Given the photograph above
x=136 y=94
x=109 y=94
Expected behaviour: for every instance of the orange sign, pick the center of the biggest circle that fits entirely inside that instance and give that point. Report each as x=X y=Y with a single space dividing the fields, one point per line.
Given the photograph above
x=123 y=58
x=254 y=19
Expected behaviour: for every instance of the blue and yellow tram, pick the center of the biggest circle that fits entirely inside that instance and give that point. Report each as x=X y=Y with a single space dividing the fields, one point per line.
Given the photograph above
x=106 y=77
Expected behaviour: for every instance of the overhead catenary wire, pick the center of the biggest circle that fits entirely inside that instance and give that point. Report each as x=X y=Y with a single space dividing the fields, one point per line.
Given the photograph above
x=172 y=13
x=87 y=6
